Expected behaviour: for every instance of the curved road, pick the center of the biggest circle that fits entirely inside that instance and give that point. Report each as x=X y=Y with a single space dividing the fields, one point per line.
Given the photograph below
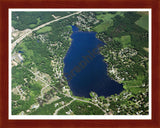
x=57 y=110
x=73 y=98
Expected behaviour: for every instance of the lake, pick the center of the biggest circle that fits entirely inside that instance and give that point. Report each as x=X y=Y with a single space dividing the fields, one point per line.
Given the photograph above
x=85 y=68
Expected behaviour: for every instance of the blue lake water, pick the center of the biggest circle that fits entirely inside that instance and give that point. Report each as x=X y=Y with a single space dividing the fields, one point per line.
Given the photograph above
x=85 y=69
x=20 y=52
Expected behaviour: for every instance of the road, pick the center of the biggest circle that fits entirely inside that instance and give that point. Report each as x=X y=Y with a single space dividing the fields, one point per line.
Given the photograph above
x=47 y=84
x=92 y=104
x=41 y=79
x=57 y=110
x=41 y=26
x=19 y=93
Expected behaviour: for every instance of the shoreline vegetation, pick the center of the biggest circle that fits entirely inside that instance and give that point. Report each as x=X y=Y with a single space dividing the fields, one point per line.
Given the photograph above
x=40 y=65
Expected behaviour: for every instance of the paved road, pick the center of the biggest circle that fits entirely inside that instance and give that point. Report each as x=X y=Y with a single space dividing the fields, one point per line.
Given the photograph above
x=41 y=26
x=41 y=79
x=57 y=110
x=92 y=104
x=29 y=32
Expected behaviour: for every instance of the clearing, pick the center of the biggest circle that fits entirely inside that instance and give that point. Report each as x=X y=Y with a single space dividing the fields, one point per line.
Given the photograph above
x=107 y=21
x=143 y=21
x=44 y=30
x=125 y=40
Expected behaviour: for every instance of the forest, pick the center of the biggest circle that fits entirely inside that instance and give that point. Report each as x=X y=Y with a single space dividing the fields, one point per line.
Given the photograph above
x=129 y=58
x=24 y=20
x=126 y=41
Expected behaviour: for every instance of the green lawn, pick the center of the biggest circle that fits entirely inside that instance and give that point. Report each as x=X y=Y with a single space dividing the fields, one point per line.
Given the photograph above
x=125 y=40
x=107 y=21
x=143 y=21
x=134 y=85
x=103 y=26
x=32 y=25
x=44 y=30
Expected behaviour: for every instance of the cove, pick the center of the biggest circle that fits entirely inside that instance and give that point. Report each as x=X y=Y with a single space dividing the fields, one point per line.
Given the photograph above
x=85 y=68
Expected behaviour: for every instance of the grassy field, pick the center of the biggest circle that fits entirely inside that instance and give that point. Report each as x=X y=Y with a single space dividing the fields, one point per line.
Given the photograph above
x=143 y=21
x=107 y=21
x=103 y=26
x=34 y=25
x=44 y=30
x=125 y=40
x=135 y=85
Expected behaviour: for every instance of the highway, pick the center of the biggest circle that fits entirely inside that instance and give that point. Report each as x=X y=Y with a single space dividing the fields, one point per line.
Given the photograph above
x=41 y=26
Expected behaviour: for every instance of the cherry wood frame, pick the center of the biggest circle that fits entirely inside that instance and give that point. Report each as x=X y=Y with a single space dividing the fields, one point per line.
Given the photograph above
x=6 y=4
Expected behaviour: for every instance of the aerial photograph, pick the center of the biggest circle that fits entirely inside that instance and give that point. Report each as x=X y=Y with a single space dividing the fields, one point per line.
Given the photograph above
x=79 y=62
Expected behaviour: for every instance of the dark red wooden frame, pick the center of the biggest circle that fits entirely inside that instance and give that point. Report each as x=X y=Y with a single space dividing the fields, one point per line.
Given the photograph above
x=6 y=4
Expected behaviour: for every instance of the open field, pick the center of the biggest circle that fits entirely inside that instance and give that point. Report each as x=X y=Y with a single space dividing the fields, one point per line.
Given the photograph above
x=107 y=21
x=135 y=85
x=125 y=40
x=44 y=30
x=143 y=21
